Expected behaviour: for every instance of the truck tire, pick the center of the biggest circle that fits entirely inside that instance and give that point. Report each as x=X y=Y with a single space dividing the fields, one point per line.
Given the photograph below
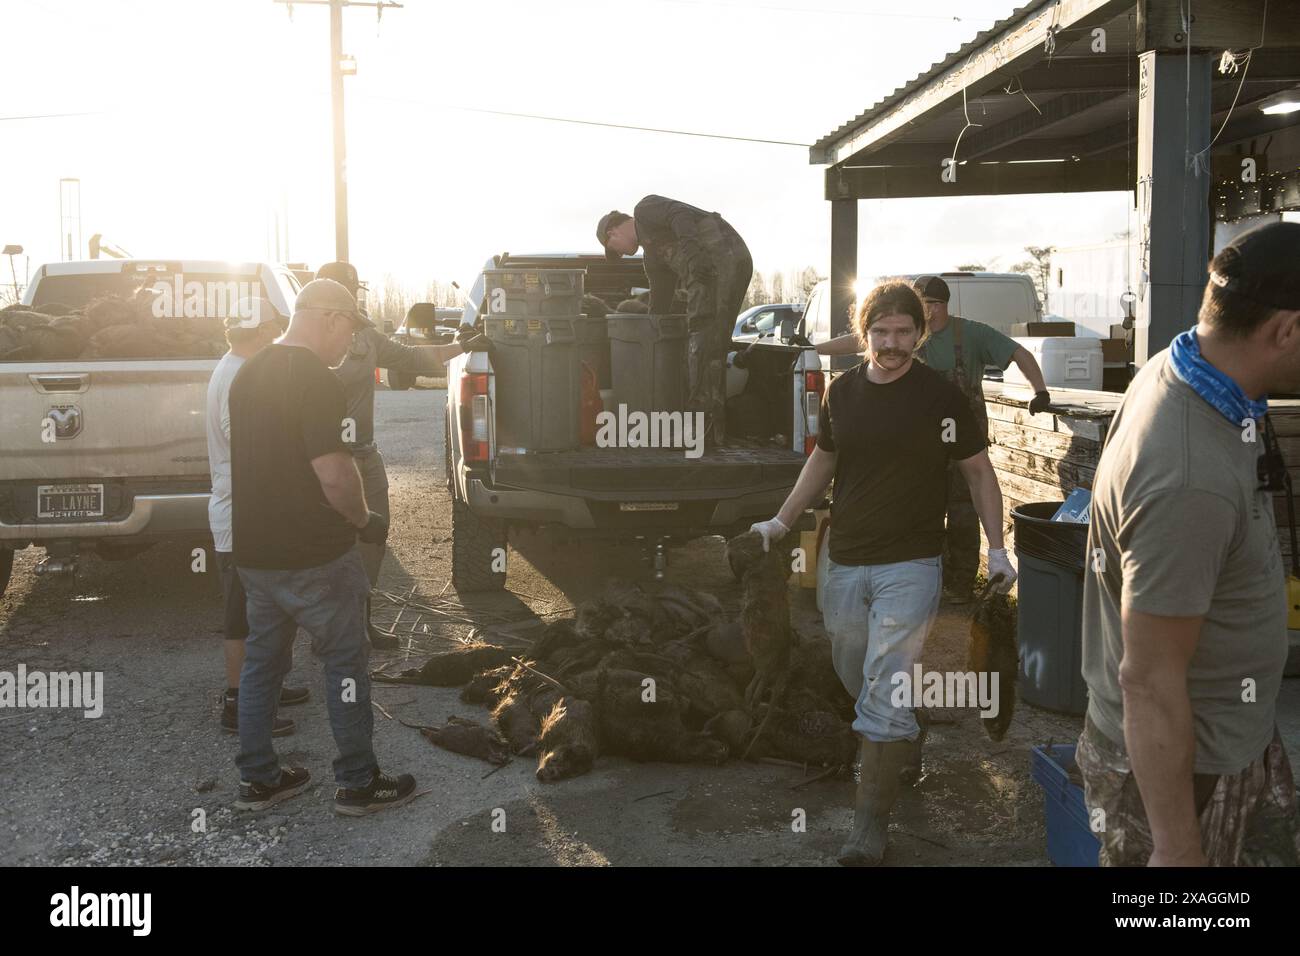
x=6 y=567
x=473 y=539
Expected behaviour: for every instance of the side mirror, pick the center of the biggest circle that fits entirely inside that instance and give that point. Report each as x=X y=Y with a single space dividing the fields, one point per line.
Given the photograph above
x=748 y=326
x=787 y=329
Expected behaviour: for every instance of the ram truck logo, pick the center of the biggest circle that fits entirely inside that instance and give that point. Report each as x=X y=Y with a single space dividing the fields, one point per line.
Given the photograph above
x=67 y=421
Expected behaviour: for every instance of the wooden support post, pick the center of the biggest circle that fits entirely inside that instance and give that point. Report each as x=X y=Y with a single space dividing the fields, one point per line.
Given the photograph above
x=844 y=261
x=1173 y=195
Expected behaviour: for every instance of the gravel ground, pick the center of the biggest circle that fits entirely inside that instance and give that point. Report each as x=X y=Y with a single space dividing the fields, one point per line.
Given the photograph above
x=152 y=780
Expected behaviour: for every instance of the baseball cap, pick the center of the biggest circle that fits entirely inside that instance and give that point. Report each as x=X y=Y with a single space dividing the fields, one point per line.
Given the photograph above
x=344 y=273
x=1262 y=264
x=931 y=287
x=331 y=296
x=607 y=222
x=250 y=312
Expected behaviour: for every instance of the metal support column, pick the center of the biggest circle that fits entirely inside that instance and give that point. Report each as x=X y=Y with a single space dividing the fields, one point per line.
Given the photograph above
x=844 y=261
x=1173 y=195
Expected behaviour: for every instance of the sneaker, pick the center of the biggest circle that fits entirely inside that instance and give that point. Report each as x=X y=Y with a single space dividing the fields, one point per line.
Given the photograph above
x=381 y=641
x=259 y=796
x=280 y=727
x=384 y=792
x=293 y=695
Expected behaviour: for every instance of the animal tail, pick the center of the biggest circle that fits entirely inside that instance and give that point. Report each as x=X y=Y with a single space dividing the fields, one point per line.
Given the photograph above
x=777 y=695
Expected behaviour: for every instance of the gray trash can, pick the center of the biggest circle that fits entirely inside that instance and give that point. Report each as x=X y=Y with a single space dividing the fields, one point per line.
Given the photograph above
x=647 y=358
x=1050 y=558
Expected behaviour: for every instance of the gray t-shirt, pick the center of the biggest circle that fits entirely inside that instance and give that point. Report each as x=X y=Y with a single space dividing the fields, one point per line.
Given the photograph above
x=1185 y=531
x=218 y=426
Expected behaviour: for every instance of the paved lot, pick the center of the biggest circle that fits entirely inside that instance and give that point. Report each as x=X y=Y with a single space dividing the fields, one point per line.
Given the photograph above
x=127 y=788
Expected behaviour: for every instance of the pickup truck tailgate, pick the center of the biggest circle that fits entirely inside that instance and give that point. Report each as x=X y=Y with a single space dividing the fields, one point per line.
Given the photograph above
x=647 y=473
x=108 y=418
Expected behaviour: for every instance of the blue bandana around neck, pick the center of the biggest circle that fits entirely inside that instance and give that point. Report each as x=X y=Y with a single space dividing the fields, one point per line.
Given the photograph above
x=1211 y=384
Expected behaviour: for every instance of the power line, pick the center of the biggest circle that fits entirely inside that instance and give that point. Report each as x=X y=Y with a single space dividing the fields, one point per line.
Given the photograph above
x=847 y=13
x=36 y=116
x=581 y=122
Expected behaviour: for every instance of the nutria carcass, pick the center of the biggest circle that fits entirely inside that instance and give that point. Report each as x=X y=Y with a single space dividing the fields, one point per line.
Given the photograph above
x=568 y=740
x=992 y=650
x=764 y=610
x=467 y=737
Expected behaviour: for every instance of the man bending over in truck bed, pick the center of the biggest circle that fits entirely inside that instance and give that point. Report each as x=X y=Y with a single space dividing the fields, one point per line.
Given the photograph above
x=707 y=256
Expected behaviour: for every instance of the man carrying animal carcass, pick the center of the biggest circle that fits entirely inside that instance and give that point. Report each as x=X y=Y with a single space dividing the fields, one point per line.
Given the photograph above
x=887 y=430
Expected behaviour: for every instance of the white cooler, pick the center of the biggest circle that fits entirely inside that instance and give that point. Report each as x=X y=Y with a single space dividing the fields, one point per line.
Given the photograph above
x=1067 y=362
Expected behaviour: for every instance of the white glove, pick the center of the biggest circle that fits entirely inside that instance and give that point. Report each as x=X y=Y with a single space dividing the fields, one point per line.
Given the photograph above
x=772 y=531
x=1000 y=567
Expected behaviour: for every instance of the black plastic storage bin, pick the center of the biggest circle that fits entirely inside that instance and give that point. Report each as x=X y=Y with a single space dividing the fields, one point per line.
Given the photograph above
x=592 y=335
x=538 y=383
x=647 y=360
x=533 y=292
x=1050 y=557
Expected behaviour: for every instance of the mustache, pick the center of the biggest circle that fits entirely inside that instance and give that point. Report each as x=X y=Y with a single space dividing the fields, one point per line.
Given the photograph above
x=900 y=353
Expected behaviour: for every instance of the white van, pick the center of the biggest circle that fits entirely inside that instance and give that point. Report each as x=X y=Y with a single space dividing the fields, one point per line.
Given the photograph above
x=999 y=299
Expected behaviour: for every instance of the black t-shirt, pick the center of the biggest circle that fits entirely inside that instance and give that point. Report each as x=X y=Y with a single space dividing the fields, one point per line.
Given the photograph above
x=893 y=444
x=286 y=408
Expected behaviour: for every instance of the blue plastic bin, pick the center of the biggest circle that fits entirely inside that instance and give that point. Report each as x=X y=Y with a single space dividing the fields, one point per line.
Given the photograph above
x=1070 y=841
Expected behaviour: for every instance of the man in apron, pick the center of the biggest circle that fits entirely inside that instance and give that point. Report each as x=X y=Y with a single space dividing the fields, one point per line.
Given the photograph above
x=960 y=349
x=371 y=349
x=702 y=252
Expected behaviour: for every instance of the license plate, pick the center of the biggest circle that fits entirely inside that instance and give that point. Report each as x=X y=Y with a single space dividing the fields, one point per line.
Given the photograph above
x=70 y=501
x=648 y=506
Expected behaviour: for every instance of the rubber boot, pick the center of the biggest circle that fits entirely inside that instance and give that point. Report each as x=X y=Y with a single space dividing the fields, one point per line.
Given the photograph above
x=911 y=770
x=880 y=763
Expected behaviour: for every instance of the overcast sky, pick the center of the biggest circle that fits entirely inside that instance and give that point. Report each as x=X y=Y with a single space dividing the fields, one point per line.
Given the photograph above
x=208 y=114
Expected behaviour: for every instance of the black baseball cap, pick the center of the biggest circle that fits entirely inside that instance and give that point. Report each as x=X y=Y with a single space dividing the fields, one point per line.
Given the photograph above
x=1262 y=264
x=607 y=222
x=344 y=273
x=931 y=287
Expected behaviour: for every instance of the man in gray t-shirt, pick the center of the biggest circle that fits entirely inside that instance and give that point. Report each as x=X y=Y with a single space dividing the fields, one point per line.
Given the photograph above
x=1185 y=615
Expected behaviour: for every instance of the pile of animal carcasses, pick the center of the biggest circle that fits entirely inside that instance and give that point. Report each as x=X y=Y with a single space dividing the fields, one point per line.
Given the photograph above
x=653 y=674
x=111 y=327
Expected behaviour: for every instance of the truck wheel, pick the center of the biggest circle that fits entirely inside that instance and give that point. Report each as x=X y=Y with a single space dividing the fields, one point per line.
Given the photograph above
x=473 y=541
x=398 y=381
x=6 y=567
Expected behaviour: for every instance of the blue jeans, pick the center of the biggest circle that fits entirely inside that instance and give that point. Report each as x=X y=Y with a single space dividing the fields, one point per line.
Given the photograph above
x=329 y=603
x=878 y=616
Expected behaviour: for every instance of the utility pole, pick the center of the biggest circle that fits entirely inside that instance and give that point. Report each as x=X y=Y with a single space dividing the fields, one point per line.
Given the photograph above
x=340 y=66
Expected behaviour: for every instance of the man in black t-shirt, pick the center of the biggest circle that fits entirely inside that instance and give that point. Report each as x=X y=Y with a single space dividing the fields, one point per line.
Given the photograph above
x=298 y=511
x=886 y=433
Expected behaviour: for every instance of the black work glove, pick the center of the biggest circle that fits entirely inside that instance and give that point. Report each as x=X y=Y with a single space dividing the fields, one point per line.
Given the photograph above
x=1040 y=402
x=375 y=531
x=800 y=340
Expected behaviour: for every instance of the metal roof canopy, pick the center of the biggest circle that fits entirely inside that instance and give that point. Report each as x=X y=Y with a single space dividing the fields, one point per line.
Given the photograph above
x=1086 y=95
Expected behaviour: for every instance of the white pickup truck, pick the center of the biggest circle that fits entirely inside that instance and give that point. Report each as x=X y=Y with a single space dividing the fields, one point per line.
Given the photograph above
x=111 y=454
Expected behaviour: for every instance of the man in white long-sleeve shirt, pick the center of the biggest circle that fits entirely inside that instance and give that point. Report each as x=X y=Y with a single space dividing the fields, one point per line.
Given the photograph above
x=252 y=326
